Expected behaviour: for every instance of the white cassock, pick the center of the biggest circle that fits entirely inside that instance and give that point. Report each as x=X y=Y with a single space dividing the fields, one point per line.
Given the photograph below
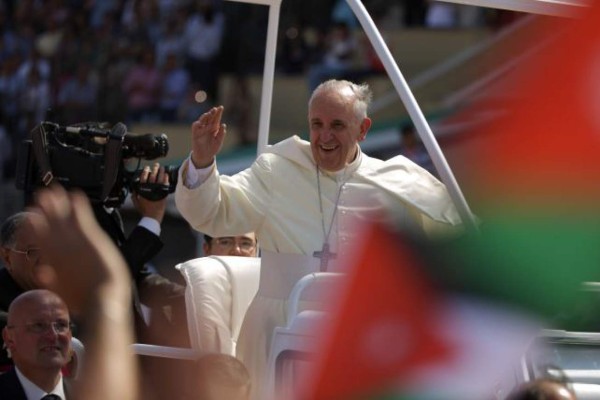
x=278 y=198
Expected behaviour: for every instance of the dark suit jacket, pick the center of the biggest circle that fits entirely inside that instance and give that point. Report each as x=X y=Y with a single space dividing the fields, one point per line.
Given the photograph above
x=9 y=290
x=137 y=249
x=11 y=388
x=150 y=288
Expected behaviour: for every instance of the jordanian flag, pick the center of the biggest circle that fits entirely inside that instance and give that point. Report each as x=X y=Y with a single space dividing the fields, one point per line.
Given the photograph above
x=400 y=333
x=444 y=321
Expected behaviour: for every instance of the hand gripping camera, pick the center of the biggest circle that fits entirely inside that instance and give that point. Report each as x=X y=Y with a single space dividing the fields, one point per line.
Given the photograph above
x=92 y=159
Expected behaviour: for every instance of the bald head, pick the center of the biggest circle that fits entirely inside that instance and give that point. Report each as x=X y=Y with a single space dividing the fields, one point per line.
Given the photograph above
x=33 y=299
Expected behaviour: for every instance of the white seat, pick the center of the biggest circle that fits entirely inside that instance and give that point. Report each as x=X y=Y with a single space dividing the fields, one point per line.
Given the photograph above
x=219 y=290
x=566 y=355
x=78 y=353
x=586 y=391
x=293 y=345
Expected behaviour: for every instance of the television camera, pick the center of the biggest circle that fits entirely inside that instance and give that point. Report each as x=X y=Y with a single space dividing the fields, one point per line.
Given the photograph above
x=93 y=159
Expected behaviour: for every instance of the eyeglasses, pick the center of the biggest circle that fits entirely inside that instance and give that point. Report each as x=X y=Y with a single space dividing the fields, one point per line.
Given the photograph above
x=60 y=327
x=230 y=242
x=32 y=254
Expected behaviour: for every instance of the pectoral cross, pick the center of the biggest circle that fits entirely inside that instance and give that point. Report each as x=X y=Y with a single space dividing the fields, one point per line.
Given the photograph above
x=324 y=255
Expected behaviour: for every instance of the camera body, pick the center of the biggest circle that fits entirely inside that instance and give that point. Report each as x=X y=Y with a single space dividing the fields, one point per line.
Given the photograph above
x=92 y=159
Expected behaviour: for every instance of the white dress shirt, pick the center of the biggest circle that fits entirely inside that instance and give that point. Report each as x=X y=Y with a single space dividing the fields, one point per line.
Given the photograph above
x=33 y=392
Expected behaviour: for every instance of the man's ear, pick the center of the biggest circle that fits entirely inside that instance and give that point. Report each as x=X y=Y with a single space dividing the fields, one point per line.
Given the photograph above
x=7 y=337
x=205 y=249
x=365 y=125
x=4 y=256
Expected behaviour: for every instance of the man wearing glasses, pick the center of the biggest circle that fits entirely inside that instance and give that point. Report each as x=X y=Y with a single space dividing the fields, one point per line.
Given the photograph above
x=38 y=337
x=20 y=254
x=242 y=246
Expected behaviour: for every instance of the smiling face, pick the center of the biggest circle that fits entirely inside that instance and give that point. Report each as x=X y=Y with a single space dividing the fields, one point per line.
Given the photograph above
x=35 y=333
x=336 y=127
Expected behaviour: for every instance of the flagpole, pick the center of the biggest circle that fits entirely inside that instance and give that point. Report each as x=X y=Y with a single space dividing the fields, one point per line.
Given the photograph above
x=415 y=113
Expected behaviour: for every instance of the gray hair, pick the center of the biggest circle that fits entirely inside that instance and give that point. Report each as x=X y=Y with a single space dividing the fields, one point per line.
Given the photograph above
x=8 y=230
x=362 y=94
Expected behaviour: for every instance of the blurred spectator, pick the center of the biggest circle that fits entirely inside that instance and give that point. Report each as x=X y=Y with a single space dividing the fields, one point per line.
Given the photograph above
x=34 y=100
x=244 y=57
x=25 y=37
x=411 y=147
x=106 y=40
x=342 y=13
x=372 y=64
x=469 y=16
x=9 y=106
x=337 y=61
x=36 y=62
x=49 y=40
x=174 y=86
x=77 y=97
x=140 y=21
x=203 y=35
x=414 y=12
x=170 y=42
x=9 y=41
x=112 y=102
x=99 y=11
x=543 y=389
x=241 y=106
x=294 y=50
x=440 y=15
x=142 y=87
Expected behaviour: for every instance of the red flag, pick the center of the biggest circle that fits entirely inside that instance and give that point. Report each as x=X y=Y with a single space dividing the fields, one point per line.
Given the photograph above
x=384 y=329
x=543 y=147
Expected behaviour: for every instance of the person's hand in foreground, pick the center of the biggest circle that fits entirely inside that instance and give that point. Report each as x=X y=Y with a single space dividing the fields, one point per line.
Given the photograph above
x=86 y=269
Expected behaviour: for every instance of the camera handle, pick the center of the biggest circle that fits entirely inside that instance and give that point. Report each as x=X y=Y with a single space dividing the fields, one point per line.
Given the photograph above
x=112 y=157
x=39 y=143
x=151 y=191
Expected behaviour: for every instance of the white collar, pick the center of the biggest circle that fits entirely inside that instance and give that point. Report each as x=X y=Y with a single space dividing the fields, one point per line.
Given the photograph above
x=33 y=392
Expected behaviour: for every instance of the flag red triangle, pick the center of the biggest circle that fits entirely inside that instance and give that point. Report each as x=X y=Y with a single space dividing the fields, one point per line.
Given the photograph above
x=383 y=330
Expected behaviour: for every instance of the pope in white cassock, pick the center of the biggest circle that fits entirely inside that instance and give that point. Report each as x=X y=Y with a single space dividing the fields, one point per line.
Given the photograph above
x=303 y=199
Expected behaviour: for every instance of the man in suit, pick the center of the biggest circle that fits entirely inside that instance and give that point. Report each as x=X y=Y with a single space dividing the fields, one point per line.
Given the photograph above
x=38 y=338
x=20 y=253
